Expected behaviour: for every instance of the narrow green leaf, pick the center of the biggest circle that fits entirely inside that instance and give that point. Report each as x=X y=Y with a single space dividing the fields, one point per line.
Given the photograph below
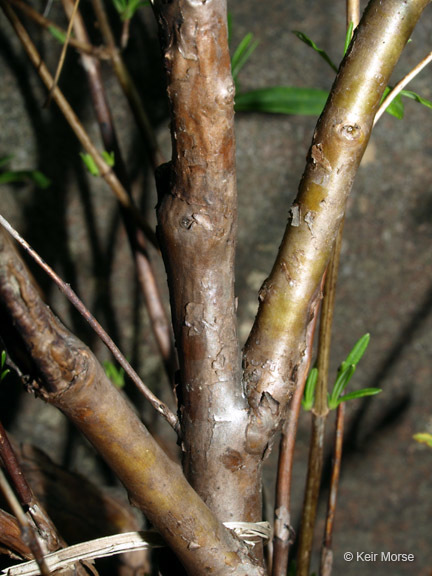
x=9 y=176
x=119 y=5
x=283 y=100
x=109 y=158
x=242 y=54
x=424 y=438
x=348 y=37
x=356 y=352
x=301 y=36
x=417 y=98
x=341 y=383
x=4 y=371
x=34 y=176
x=229 y=26
x=396 y=107
x=116 y=375
x=57 y=34
x=358 y=394
x=90 y=164
x=127 y=8
x=39 y=179
x=309 y=390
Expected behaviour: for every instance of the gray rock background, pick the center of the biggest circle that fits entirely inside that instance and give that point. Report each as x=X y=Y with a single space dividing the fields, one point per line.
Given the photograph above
x=385 y=285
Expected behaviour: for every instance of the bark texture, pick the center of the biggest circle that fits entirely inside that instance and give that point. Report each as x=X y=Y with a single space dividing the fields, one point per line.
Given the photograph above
x=277 y=343
x=70 y=378
x=197 y=230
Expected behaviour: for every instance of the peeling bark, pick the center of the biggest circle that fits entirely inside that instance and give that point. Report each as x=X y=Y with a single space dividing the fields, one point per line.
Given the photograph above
x=197 y=230
x=70 y=378
x=276 y=346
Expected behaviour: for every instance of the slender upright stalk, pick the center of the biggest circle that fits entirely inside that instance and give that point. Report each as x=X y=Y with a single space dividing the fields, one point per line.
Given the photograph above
x=320 y=409
x=326 y=552
x=96 y=51
x=106 y=172
x=128 y=86
x=275 y=347
x=137 y=242
x=283 y=532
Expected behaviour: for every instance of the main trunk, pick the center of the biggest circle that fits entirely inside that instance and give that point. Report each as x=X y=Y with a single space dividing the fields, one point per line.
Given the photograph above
x=197 y=218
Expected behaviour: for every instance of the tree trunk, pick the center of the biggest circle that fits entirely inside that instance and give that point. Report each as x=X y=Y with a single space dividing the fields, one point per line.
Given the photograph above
x=197 y=216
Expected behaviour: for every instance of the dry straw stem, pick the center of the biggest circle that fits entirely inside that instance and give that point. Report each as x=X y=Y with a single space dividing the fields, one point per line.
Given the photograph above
x=275 y=348
x=73 y=381
x=197 y=218
x=401 y=85
x=28 y=529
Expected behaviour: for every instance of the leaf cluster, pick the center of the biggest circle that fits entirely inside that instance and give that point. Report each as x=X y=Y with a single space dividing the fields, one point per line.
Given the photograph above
x=22 y=176
x=3 y=371
x=299 y=100
x=344 y=375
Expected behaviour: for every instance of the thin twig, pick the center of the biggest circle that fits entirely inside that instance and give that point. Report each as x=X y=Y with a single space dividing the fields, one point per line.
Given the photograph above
x=73 y=121
x=352 y=13
x=62 y=54
x=157 y=404
x=128 y=86
x=326 y=552
x=11 y=464
x=282 y=529
x=27 y=530
x=146 y=276
x=401 y=85
x=86 y=48
x=319 y=416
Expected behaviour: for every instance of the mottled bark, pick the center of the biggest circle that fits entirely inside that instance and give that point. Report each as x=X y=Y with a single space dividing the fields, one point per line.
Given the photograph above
x=276 y=346
x=71 y=379
x=197 y=230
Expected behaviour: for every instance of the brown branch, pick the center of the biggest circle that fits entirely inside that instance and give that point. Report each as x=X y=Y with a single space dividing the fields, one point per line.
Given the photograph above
x=197 y=226
x=352 y=13
x=128 y=86
x=106 y=172
x=86 y=48
x=282 y=527
x=10 y=462
x=274 y=350
x=157 y=404
x=145 y=273
x=63 y=53
x=71 y=379
x=327 y=553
